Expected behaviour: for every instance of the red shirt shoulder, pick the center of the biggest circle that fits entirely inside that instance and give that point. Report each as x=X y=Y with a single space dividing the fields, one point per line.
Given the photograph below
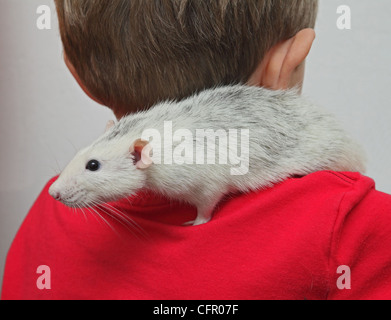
x=285 y=242
x=361 y=244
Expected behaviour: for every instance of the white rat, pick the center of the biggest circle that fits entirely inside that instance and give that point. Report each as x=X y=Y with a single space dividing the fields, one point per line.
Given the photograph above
x=286 y=136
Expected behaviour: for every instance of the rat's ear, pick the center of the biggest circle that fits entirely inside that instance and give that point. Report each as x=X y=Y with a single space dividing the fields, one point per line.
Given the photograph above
x=109 y=125
x=141 y=151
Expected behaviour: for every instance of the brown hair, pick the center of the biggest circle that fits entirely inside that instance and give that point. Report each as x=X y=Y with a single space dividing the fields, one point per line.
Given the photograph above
x=131 y=54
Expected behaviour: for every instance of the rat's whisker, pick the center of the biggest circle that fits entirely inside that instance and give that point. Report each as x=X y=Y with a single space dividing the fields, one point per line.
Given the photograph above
x=105 y=220
x=130 y=203
x=55 y=159
x=95 y=214
x=71 y=143
x=121 y=218
x=82 y=210
x=127 y=218
x=110 y=214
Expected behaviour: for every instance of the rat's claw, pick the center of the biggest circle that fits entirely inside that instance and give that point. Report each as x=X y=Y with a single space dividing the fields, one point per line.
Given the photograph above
x=196 y=222
x=189 y=223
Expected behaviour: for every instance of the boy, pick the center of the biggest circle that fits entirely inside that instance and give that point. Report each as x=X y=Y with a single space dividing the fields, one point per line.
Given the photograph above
x=323 y=236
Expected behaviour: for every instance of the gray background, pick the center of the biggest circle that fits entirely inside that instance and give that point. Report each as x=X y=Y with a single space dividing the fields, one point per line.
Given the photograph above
x=45 y=116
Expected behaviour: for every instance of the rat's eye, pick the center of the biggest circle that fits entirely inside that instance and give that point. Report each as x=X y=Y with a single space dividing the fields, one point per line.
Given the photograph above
x=93 y=165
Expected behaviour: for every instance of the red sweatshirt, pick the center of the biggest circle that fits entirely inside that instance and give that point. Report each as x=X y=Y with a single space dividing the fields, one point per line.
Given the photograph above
x=287 y=242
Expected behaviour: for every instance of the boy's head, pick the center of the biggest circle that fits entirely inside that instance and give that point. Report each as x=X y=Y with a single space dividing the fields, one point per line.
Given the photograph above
x=131 y=54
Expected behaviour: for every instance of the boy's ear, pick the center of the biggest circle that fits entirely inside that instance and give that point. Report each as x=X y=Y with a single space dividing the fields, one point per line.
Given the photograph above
x=280 y=65
x=109 y=125
x=141 y=151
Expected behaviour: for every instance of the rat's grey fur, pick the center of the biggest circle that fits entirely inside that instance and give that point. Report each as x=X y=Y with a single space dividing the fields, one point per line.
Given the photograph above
x=288 y=136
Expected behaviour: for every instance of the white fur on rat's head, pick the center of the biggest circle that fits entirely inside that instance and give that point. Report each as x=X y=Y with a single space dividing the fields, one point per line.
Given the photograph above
x=103 y=172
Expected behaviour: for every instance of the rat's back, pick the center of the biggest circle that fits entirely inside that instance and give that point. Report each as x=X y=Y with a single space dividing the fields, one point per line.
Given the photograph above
x=280 y=132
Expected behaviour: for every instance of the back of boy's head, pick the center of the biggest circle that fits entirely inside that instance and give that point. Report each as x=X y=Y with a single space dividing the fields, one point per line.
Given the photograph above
x=131 y=54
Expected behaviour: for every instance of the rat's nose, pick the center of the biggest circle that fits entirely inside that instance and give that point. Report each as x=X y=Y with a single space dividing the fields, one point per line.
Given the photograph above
x=55 y=194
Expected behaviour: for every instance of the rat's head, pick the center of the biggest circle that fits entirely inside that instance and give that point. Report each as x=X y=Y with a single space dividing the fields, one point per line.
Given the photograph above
x=103 y=172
